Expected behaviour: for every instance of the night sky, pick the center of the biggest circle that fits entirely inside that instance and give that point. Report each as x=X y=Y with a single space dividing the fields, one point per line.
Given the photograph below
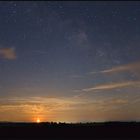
x=69 y=61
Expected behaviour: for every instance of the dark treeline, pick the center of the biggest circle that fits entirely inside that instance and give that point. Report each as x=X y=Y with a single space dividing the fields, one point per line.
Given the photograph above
x=53 y=130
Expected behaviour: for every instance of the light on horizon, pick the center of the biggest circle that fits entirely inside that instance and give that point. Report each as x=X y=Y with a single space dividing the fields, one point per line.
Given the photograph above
x=38 y=120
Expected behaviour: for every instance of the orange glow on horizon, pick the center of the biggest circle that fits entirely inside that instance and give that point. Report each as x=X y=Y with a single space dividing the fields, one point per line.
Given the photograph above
x=38 y=120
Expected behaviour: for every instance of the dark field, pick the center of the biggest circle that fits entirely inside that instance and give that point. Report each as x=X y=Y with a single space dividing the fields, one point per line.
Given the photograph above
x=108 y=130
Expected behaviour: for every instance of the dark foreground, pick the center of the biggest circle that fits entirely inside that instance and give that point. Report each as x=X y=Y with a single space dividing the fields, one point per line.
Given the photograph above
x=49 y=131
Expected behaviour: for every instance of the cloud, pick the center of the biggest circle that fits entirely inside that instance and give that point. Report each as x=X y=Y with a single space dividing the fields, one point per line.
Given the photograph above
x=8 y=53
x=37 y=104
x=109 y=86
x=118 y=101
x=131 y=67
x=31 y=107
x=63 y=109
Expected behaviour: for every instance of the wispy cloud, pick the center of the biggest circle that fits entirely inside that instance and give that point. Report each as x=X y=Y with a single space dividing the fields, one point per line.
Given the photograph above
x=132 y=67
x=37 y=106
x=8 y=53
x=28 y=103
x=109 y=86
x=62 y=109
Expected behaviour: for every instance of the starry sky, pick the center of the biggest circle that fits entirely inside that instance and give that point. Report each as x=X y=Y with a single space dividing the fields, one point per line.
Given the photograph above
x=69 y=61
